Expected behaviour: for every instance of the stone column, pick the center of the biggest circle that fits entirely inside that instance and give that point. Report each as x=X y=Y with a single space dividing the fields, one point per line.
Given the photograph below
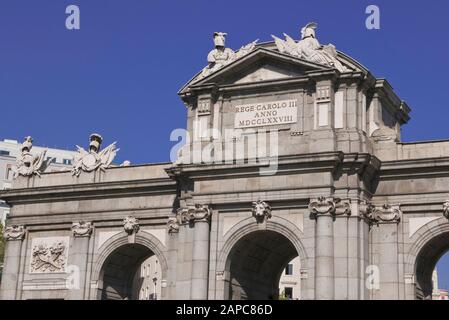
x=200 y=217
x=13 y=235
x=323 y=211
x=386 y=252
x=78 y=260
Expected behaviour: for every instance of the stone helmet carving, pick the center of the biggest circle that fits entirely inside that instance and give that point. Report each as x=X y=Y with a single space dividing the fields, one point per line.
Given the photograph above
x=27 y=144
x=95 y=142
x=308 y=30
x=219 y=39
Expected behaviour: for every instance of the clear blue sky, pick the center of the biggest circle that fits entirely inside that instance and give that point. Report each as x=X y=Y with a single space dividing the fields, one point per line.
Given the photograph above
x=120 y=73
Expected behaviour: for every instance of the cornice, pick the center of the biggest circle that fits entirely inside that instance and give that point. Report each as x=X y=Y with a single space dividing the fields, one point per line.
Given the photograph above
x=414 y=168
x=89 y=191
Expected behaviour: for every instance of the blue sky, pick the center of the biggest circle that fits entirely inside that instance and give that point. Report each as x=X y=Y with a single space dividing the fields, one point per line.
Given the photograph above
x=119 y=74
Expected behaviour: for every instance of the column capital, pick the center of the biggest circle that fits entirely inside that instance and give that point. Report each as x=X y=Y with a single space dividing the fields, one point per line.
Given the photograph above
x=82 y=229
x=384 y=214
x=330 y=206
x=192 y=214
x=14 y=232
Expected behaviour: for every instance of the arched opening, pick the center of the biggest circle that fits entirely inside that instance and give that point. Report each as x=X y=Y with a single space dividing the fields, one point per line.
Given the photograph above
x=255 y=265
x=426 y=262
x=121 y=276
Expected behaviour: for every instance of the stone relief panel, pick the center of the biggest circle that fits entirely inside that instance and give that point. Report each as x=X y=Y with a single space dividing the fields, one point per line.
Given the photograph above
x=49 y=255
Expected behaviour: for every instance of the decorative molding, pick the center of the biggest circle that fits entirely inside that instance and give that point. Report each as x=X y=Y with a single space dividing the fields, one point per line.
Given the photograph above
x=446 y=209
x=49 y=255
x=14 y=232
x=82 y=229
x=261 y=211
x=131 y=225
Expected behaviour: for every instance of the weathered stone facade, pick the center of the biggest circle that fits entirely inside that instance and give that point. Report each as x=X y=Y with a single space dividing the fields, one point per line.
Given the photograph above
x=363 y=211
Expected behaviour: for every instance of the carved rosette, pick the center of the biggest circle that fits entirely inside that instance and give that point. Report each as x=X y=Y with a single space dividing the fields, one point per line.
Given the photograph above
x=14 y=232
x=446 y=209
x=173 y=225
x=82 y=229
x=383 y=214
x=131 y=225
x=261 y=211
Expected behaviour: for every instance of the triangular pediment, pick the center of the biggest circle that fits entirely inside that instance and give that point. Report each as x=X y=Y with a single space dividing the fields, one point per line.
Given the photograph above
x=260 y=65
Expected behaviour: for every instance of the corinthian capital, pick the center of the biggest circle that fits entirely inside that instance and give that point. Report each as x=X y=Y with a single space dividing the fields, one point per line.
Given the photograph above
x=14 y=232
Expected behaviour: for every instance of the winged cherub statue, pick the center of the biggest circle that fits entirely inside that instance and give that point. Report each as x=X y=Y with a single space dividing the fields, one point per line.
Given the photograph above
x=93 y=159
x=28 y=164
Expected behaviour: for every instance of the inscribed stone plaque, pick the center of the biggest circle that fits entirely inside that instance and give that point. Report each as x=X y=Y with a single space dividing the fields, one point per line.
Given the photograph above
x=266 y=114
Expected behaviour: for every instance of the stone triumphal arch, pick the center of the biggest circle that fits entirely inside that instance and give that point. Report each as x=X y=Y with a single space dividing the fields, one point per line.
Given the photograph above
x=293 y=149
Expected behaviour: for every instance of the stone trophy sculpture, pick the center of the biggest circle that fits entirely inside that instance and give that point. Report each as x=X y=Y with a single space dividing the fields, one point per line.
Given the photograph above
x=28 y=164
x=309 y=48
x=94 y=159
x=222 y=56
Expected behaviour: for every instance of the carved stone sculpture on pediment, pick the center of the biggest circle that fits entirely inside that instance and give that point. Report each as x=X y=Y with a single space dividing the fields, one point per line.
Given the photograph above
x=93 y=159
x=28 y=164
x=222 y=56
x=309 y=48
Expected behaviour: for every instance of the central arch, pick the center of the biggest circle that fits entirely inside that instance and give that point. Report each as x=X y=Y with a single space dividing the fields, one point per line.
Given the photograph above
x=254 y=256
x=256 y=263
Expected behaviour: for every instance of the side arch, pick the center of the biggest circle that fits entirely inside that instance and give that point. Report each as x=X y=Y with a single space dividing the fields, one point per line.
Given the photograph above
x=428 y=244
x=120 y=240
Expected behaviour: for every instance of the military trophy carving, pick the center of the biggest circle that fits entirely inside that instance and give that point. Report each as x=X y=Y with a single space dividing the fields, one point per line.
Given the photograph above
x=94 y=159
x=310 y=49
x=27 y=164
x=222 y=56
